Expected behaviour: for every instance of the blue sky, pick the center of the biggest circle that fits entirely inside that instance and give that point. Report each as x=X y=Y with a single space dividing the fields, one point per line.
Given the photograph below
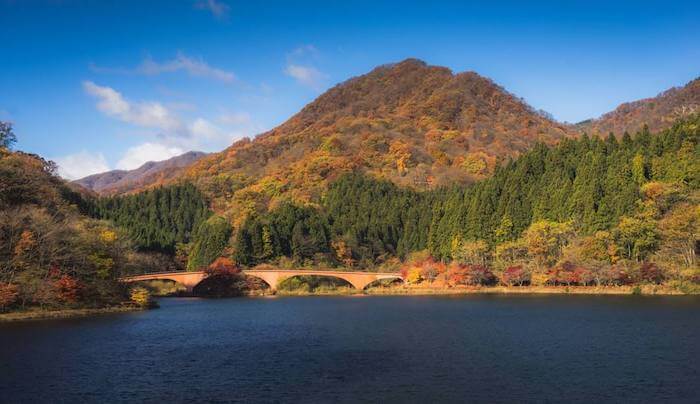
x=98 y=85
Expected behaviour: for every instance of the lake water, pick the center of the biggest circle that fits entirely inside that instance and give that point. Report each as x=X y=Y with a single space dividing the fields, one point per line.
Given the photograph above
x=372 y=349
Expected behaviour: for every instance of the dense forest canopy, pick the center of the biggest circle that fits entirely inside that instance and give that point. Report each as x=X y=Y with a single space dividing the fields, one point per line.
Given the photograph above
x=626 y=192
x=157 y=219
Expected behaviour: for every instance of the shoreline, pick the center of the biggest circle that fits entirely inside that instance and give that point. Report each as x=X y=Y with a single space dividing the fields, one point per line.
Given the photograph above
x=29 y=315
x=647 y=290
x=644 y=290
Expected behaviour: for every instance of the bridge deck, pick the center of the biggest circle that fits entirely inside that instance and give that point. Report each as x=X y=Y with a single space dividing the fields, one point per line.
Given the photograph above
x=272 y=277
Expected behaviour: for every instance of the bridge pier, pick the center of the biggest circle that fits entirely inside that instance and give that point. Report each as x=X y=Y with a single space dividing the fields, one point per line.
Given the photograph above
x=272 y=278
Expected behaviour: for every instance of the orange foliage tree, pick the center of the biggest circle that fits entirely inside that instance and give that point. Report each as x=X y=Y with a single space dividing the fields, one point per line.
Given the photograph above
x=222 y=266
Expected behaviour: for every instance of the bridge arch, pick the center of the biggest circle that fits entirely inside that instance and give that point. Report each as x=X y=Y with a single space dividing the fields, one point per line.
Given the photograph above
x=314 y=281
x=188 y=279
x=392 y=279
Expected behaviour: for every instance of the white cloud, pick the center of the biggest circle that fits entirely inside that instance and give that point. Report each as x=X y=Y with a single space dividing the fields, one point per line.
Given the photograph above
x=201 y=128
x=194 y=67
x=300 y=66
x=81 y=165
x=218 y=8
x=205 y=134
x=136 y=156
x=235 y=118
x=174 y=135
x=306 y=75
x=304 y=50
x=148 y=114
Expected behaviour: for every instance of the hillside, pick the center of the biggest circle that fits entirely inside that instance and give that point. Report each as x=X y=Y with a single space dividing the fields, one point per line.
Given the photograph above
x=658 y=113
x=410 y=123
x=151 y=173
x=52 y=255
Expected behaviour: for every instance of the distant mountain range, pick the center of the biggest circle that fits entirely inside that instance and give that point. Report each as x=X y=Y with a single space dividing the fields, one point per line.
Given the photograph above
x=149 y=174
x=657 y=113
x=414 y=124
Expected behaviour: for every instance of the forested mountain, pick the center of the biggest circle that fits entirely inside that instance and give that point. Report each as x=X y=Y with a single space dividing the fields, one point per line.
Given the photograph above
x=657 y=113
x=416 y=125
x=589 y=204
x=148 y=175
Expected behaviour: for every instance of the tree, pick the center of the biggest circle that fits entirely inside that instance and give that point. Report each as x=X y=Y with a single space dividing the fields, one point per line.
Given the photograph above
x=7 y=135
x=222 y=266
x=680 y=235
x=515 y=275
x=8 y=294
x=511 y=253
x=545 y=240
x=471 y=252
x=210 y=240
x=637 y=236
x=68 y=289
x=504 y=232
x=639 y=169
x=458 y=274
x=141 y=296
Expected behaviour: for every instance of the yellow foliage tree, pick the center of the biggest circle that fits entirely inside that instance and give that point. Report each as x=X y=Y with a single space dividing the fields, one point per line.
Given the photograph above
x=414 y=275
x=545 y=240
x=140 y=296
x=108 y=236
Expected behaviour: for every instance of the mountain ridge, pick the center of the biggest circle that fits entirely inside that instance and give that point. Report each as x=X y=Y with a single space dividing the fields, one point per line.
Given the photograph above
x=148 y=174
x=657 y=113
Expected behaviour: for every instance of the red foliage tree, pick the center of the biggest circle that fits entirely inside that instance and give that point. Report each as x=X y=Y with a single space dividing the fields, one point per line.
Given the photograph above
x=515 y=275
x=459 y=274
x=8 y=294
x=68 y=289
x=481 y=275
x=617 y=275
x=569 y=274
x=650 y=272
x=431 y=270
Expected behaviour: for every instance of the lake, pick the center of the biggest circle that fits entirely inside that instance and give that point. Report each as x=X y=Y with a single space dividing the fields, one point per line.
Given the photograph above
x=479 y=348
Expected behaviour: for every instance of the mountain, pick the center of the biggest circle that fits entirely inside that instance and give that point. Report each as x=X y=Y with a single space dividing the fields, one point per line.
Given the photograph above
x=658 y=113
x=408 y=122
x=149 y=174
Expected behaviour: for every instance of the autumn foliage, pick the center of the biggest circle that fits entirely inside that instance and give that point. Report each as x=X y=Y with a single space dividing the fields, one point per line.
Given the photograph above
x=52 y=254
x=222 y=267
x=8 y=294
x=68 y=289
x=414 y=124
